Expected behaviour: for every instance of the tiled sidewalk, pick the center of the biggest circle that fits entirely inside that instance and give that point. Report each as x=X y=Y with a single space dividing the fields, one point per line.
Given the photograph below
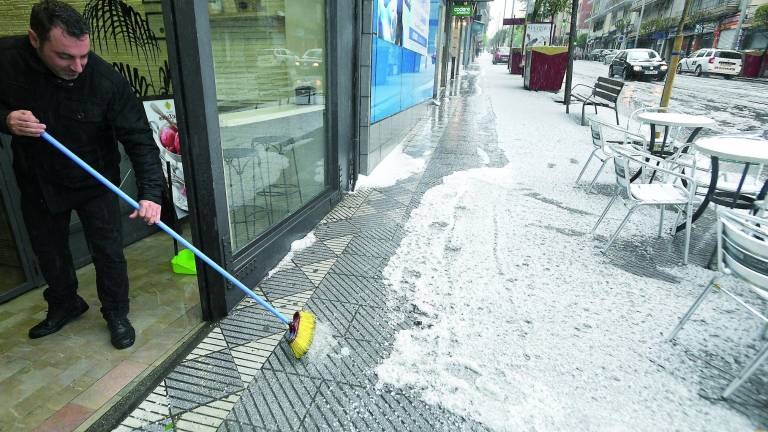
x=243 y=375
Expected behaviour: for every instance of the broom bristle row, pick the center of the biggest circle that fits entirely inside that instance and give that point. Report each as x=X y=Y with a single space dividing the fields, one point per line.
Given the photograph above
x=303 y=331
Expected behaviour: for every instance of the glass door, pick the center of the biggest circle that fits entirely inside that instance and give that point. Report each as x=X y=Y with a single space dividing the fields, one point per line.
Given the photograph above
x=269 y=68
x=17 y=269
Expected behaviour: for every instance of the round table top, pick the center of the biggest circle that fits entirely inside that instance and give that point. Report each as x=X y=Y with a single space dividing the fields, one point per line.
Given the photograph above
x=739 y=148
x=237 y=153
x=675 y=119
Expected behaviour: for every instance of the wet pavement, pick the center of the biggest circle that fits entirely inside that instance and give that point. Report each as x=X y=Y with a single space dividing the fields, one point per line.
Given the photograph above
x=737 y=105
x=242 y=377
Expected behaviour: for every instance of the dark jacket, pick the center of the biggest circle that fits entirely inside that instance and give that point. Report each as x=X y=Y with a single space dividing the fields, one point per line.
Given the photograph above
x=89 y=115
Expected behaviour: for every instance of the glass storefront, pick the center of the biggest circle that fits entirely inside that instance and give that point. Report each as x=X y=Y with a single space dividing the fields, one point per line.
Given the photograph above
x=269 y=67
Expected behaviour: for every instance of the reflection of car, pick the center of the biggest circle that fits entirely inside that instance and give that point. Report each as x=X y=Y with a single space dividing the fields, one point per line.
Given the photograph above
x=501 y=55
x=638 y=63
x=313 y=58
x=280 y=56
x=607 y=55
x=711 y=61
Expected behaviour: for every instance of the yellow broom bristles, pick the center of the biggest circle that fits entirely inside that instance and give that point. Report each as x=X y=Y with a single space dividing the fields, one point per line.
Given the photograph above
x=305 y=332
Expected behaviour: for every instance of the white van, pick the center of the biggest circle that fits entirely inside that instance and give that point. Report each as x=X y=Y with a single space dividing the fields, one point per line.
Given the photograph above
x=712 y=61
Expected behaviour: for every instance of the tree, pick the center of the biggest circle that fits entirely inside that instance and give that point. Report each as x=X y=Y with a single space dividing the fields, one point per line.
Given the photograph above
x=760 y=23
x=581 y=40
x=548 y=9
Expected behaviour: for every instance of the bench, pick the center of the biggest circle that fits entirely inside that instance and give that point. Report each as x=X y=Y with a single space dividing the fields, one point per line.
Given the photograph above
x=605 y=93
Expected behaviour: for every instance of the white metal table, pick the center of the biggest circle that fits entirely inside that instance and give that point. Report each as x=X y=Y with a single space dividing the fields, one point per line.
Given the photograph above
x=672 y=119
x=741 y=149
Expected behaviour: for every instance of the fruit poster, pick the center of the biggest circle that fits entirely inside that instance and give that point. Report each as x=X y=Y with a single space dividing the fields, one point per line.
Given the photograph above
x=161 y=114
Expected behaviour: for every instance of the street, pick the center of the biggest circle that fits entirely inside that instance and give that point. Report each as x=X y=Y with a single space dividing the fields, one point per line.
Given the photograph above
x=737 y=105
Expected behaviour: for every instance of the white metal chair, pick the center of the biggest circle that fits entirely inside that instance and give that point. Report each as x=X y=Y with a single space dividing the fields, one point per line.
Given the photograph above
x=742 y=252
x=601 y=145
x=672 y=188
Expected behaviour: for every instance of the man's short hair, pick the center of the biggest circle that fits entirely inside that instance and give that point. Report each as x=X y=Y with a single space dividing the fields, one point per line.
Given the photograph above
x=47 y=14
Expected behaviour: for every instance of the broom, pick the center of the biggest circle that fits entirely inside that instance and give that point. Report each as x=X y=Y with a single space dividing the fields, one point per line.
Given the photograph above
x=301 y=329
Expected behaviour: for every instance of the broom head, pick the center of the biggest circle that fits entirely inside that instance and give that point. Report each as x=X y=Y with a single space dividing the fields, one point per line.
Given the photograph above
x=301 y=331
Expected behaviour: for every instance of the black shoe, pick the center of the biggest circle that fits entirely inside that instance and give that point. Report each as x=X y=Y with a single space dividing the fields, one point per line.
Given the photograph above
x=58 y=317
x=121 y=331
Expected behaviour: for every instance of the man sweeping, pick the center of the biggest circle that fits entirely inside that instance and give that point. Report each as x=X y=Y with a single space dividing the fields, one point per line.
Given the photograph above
x=50 y=81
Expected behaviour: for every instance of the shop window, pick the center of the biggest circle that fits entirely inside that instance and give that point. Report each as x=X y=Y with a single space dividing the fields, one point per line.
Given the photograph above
x=269 y=65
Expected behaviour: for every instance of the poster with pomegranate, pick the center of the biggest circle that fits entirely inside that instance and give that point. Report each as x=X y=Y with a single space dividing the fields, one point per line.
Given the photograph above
x=161 y=114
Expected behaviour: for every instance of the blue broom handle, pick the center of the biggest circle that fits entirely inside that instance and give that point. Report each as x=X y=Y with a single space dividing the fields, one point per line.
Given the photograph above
x=165 y=227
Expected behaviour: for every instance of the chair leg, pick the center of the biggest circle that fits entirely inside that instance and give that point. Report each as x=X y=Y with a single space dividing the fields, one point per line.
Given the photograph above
x=618 y=230
x=617 y=115
x=584 y=169
x=688 y=223
x=677 y=218
x=661 y=220
x=597 y=174
x=693 y=308
x=610 y=203
x=746 y=372
x=583 y=106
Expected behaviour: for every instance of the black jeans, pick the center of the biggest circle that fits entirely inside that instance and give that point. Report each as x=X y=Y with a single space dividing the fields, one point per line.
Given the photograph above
x=49 y=235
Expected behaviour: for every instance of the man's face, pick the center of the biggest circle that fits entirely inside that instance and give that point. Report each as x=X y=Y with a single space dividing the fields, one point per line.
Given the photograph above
x=65 y=56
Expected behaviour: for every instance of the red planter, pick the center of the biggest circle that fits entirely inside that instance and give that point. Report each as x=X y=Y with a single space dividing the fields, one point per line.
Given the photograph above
x=545 y=68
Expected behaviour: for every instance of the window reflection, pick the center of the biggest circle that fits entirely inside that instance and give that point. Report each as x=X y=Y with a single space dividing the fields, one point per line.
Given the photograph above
x=269 y=65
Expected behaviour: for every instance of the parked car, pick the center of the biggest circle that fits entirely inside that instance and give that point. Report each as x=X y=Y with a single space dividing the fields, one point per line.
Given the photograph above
x=712 y=61
x=501 y=55
x=277 y=56
x=607 y=55
x=312 y=58
x=638 y=63
x=595 y=54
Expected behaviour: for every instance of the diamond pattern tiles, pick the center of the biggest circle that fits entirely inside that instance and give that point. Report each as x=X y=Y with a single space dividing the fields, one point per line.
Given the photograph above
x=154 y=409
x=337 y=406
x=275 y=401
x=315 y=272
x=207 y=418
x=318 y=251
x=285 y=283
x=203 y=380
x=338 y=244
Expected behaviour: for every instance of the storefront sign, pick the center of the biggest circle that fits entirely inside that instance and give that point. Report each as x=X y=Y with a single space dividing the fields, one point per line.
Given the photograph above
x=161 y=114
x=415 y=19
x=462 y=10
x=514 y=21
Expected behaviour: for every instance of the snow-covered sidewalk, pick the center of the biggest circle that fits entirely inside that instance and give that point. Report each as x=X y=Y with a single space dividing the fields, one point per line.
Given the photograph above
x=523 y=324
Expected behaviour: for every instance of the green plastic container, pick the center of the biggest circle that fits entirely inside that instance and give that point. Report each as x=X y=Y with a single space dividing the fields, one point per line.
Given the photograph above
x=184 y=262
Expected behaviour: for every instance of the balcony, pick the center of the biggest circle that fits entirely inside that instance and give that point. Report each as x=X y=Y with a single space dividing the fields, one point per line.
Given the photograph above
x=714 y=8
x=608 y=7
x=637 y=4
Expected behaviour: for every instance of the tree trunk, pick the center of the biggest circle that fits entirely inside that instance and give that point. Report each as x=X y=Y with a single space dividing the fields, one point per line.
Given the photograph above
x=763 y=64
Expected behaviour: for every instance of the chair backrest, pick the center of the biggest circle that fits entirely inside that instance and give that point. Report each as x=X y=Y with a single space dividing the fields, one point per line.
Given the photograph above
x=621 y=168
x=743 y=248
x=596 y=130
x=599 y=130
x=608 y=89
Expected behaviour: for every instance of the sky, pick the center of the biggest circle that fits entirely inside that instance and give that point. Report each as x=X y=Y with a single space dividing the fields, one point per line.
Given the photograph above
x=497 y=12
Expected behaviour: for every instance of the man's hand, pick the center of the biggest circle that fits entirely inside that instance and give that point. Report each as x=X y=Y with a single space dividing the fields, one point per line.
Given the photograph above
x=24 y=123
x=148 y=211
